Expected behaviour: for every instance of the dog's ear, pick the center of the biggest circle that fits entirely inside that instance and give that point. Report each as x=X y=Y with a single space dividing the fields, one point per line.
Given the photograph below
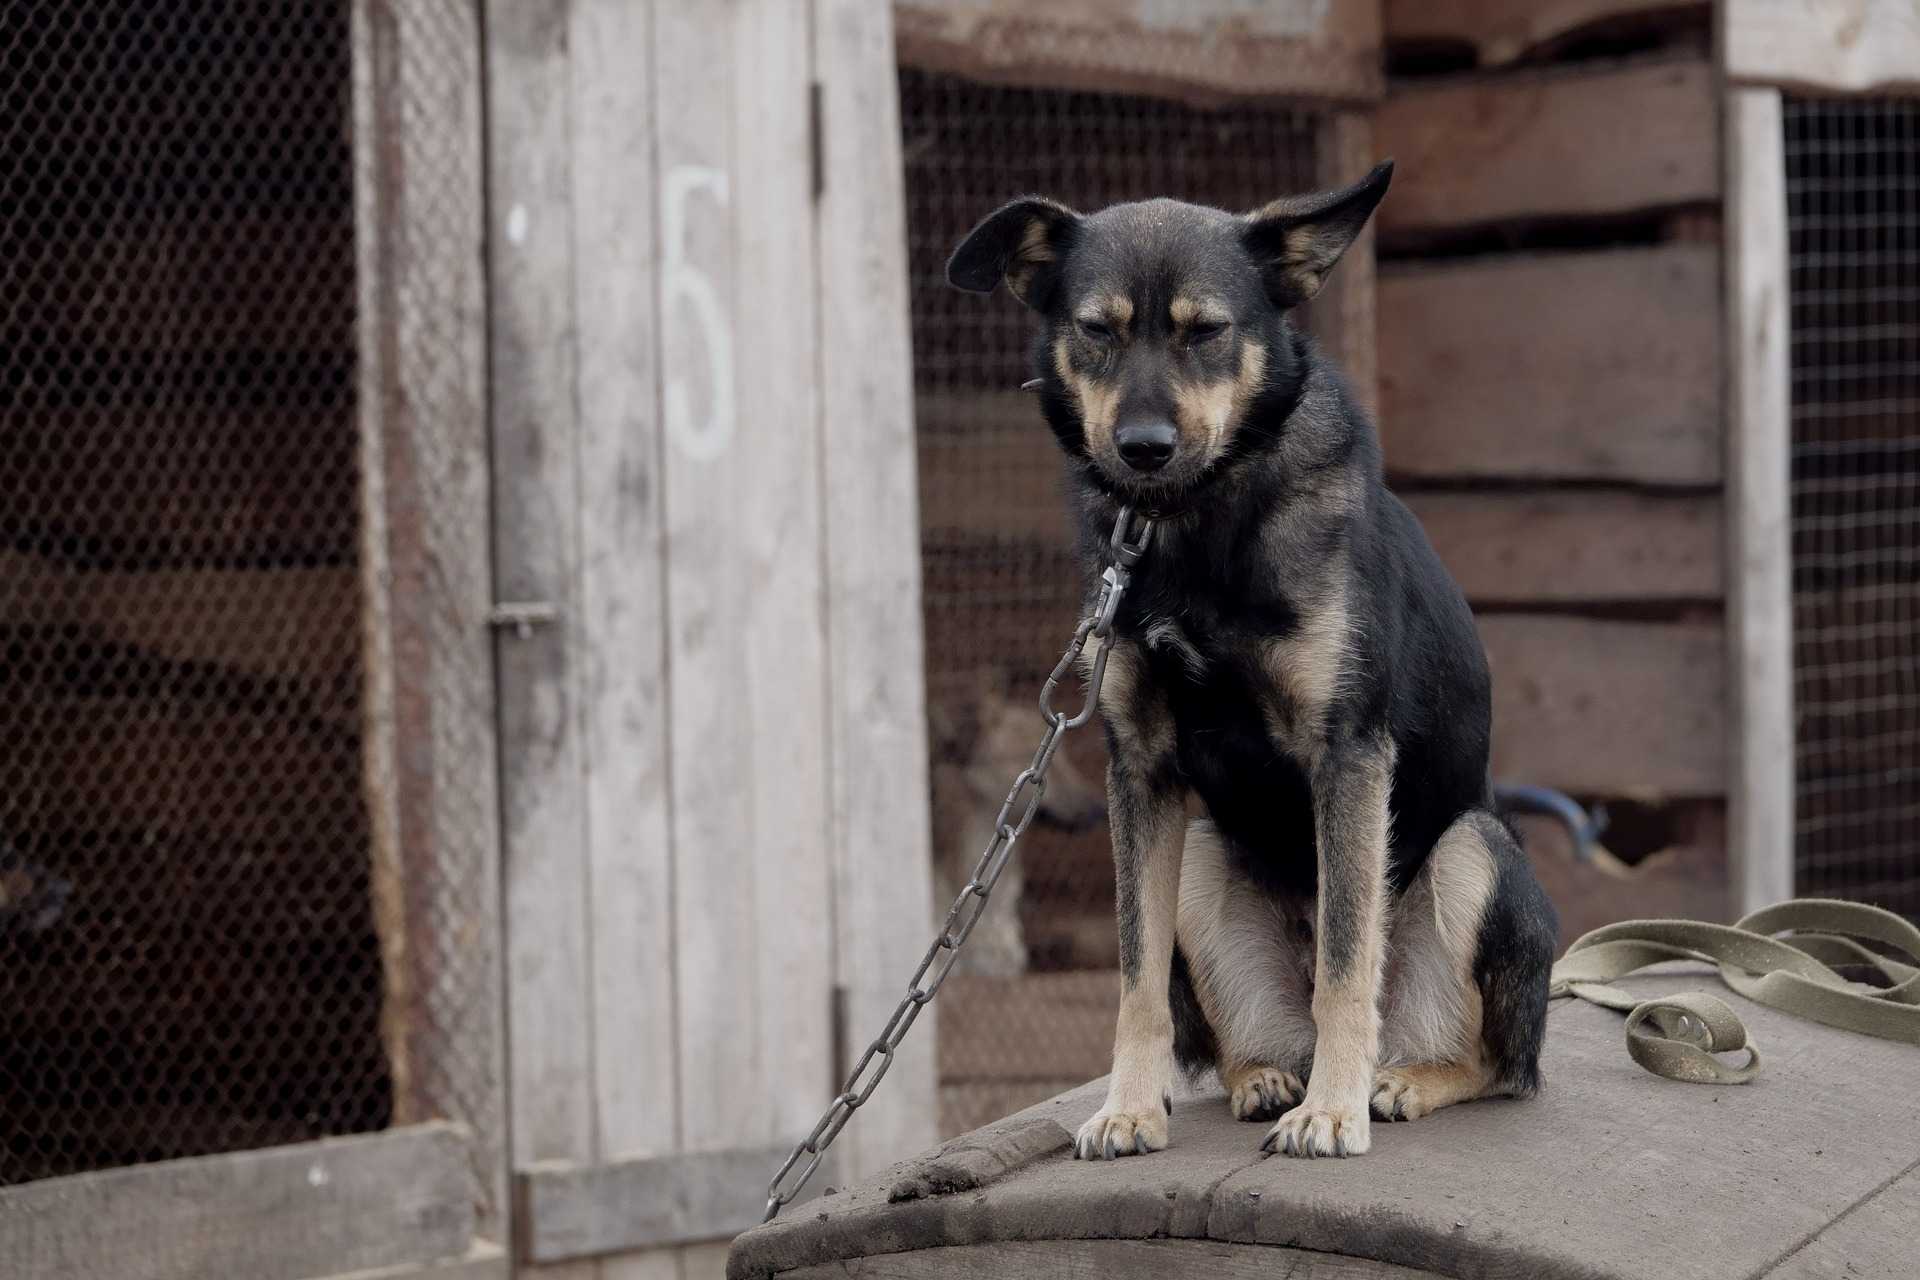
x=1021 y=242
x=1297 y=240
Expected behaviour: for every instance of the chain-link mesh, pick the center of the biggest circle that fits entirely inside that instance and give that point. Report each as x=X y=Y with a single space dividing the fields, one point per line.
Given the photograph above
x=1853 y=193
x=431 y=767
x=230 y=915
x=188 y=960
x=1001 y=580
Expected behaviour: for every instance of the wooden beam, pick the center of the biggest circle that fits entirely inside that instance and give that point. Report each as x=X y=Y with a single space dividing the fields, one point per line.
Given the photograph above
x=876 y=661
x=1597 y=365
x=283 y=1213
x=1575 y=546
x=570 y=1211
x=426 y=573
x=1525 y=146
x=1608 y=708
x=1110 y=1260
x=628 y=1054
x=1759 y=504
x=1846 y=46
x=1196 y=49
x=1502 y=31
x=747 y=662
x=537 y=559
x=482 y=1262
x=1341 y=317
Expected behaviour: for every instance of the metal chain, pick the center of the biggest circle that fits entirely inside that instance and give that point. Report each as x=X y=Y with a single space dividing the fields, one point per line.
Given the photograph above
x=1131 y=535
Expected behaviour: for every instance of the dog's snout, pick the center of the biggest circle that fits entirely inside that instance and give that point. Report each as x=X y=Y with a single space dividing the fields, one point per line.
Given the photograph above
x=1146 y=446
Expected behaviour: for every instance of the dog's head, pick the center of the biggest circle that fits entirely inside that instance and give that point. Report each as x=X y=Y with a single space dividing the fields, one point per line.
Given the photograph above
x=1162 y=321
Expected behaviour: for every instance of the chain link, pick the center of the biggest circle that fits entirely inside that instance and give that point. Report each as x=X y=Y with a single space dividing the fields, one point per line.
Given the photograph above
x=1131 y=535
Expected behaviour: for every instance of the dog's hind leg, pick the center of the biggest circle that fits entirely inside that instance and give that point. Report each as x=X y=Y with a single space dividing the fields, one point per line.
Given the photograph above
x=1249 y=959
x=1465 y=995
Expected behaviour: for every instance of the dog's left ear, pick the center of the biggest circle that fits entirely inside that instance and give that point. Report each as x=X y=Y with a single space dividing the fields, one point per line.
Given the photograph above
x=1297 y=240
x=1021 y=242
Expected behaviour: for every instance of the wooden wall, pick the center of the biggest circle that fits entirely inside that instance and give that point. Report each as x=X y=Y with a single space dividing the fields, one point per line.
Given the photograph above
x=1550 y=354
x=715 y=783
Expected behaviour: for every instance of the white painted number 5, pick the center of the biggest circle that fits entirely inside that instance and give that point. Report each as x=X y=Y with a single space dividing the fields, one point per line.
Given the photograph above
x=682 y=282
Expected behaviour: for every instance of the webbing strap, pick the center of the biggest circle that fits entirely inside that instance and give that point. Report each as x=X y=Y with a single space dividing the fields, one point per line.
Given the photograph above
x=1802 y=972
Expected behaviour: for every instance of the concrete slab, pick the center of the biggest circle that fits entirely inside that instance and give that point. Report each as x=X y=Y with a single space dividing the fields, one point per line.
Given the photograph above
x=1813 y=1169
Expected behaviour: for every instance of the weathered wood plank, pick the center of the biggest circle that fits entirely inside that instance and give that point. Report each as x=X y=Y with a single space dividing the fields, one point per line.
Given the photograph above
x=1609 y=708
x=622 y=593
x=1850 y=46
x=1341 y=317
x=284 y=1213
x=570 y=1211
x=1600 y=365
x=537 y=559
x=1525 y=146
x=1876 y=1238
x=876 y=663
x=1204 y=49
x=426 y=574
x=1575 y=546
x=1112 y=1260
x=1502 y=31
x=482 y=1262
x=1759 y=529
x=746 y=653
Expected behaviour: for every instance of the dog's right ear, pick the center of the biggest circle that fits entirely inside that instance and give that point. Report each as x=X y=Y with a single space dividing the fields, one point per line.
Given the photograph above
x=1021 y=242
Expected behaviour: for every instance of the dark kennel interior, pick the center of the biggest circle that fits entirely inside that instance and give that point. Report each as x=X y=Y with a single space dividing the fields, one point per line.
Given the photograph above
x=188 y=959
x=1853 y=193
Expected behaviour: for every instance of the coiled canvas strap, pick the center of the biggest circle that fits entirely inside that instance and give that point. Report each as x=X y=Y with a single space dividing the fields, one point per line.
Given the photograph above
x=1803 y=972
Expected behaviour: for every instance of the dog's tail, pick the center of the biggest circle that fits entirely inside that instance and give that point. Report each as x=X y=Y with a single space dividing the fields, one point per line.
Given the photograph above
x=1517 y=941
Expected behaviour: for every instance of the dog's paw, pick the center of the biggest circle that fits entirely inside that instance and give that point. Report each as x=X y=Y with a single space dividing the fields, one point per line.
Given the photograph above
x=1115 y=1132
x=1397 y=1095
x=1313 y=1129
x=1261 y=1093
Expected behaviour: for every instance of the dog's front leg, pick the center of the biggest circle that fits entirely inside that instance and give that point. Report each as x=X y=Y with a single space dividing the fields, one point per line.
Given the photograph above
x=1147 y=814
x=1351 y=785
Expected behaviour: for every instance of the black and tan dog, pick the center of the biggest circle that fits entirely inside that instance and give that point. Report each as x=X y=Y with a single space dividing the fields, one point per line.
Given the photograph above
x=1349 y=926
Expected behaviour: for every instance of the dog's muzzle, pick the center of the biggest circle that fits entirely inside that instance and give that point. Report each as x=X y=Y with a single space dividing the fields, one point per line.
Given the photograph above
x=1146 y=446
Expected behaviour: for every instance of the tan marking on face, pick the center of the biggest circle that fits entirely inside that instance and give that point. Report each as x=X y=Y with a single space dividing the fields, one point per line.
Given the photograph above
x=1099 y=404
x=1187 y=310
x=1115 y=310
x=1210 y=412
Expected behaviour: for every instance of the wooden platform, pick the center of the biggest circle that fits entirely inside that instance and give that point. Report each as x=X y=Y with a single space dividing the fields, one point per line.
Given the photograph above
x=1811 y=1171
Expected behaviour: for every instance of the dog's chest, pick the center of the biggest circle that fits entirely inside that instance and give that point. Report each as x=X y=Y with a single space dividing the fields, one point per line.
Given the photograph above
x=1215 y=683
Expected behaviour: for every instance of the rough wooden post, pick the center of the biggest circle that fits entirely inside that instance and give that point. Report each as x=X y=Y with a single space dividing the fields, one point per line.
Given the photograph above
x=426 y=574
x=1759 y=513
x=876 y=663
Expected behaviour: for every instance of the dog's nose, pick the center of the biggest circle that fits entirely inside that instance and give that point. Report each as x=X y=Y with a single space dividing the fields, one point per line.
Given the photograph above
x=1146 y=446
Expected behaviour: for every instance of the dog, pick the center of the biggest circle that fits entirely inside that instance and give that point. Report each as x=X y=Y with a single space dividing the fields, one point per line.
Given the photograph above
x=980 y=742
x=1349 y=930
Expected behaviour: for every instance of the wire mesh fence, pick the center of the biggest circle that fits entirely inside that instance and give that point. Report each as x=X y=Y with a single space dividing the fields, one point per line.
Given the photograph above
x=1853 y=193
x=1002 y=588
x=195 y=956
